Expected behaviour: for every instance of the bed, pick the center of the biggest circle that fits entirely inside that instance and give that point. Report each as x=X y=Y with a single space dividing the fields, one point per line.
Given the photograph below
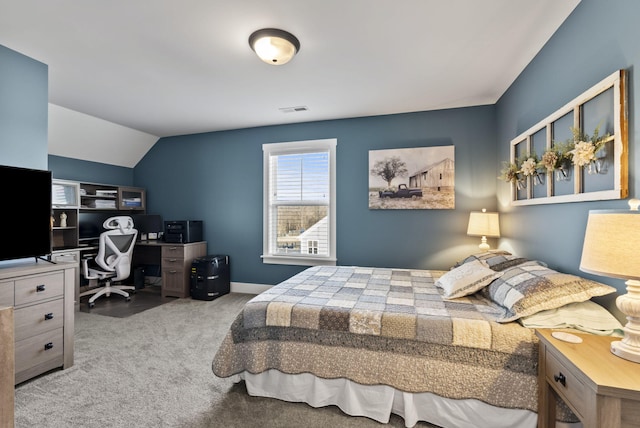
x=437 y=346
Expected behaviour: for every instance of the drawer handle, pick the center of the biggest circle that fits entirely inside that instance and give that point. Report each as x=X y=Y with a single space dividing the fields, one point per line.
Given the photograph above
x=172 y=271
x=172 y=260
x=560 y=378
x=48 y=316
x=40 y=288
x=48 y=346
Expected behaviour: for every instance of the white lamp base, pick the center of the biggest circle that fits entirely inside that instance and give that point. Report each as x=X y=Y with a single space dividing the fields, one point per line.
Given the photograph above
x=483 y=244
x=620 y=349
x=629 y=347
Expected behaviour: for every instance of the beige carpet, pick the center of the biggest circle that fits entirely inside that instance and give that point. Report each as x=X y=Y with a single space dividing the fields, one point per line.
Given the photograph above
x=153 y=369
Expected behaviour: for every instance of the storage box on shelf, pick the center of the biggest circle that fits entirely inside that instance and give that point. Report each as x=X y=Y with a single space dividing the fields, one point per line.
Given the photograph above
x=131 y=198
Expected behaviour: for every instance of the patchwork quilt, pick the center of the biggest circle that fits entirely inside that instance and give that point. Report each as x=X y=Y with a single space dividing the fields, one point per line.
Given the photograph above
x=384 y=326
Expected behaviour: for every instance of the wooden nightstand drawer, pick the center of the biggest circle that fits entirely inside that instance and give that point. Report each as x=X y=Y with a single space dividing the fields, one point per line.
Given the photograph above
x=36 y=288
x=602 y=389
x=568 y=386
x=36 y=319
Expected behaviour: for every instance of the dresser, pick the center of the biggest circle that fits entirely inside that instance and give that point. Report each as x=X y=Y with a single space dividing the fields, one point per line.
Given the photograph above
x=602 y=389
x=42 y=297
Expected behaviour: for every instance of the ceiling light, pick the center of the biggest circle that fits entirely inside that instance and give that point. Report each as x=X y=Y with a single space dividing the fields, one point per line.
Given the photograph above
x=273 y=46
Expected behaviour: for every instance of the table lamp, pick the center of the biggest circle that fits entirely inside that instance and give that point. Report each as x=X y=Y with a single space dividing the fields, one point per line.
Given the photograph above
x=611 y=249
x=484 y=224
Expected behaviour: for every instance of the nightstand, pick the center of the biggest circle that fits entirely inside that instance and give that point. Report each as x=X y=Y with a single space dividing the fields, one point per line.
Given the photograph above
x=601 y=389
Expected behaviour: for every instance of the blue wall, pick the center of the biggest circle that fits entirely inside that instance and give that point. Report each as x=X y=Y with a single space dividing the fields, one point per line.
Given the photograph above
x=217 y=177
x=90 y=172
x=596 y=40
x=24 y=96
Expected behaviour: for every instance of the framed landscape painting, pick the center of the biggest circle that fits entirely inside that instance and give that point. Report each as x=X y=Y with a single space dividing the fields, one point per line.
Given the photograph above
x=414 y=178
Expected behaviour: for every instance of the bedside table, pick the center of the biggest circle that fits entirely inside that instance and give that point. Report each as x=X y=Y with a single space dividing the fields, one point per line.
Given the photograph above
x=601 y=389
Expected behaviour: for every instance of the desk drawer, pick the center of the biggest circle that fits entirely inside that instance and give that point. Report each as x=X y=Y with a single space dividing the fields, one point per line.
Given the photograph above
x=36 y=288
x=38 y=350
x=572 y=390
x=6 y=293
x=174 y=283
x=37 y=319
x=66 y=256
x=175 y=251
x=173 y=263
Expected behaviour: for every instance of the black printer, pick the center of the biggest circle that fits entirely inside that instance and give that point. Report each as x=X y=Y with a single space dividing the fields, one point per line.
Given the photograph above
x=183 y=231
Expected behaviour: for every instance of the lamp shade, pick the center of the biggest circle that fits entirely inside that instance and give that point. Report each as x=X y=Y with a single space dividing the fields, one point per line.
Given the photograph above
x=611 y=244
x=274 y=46
x=484 y=224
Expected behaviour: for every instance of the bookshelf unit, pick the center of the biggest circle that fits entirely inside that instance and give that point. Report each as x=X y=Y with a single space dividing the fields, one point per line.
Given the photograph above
x=64 y=214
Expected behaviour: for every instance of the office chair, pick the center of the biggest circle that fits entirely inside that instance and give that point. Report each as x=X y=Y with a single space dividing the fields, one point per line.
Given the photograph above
x=113 y=260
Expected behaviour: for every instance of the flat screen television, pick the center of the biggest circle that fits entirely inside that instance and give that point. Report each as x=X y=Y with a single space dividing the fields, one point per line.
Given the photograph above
x=25 y=215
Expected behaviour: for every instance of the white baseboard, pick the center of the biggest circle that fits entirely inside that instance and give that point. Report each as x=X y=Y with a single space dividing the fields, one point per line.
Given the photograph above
x=248 y=288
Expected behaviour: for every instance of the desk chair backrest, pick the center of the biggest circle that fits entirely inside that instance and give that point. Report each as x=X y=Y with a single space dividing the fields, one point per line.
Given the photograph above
x=116 y=245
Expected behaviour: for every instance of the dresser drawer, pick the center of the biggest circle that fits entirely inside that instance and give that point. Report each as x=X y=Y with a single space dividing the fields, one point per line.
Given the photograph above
x=566 y=383
x=6 y=293
x=36 y=319
x=36 y=288
x=38 y=350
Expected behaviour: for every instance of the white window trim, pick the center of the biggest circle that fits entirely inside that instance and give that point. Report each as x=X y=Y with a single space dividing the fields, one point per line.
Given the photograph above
x=299 y=147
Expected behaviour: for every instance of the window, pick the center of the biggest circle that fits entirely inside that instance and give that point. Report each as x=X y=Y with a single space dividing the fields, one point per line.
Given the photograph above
x=299 y=203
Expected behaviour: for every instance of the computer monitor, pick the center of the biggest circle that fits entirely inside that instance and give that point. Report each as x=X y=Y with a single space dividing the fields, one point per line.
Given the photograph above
x=90 y=224
x=147 y=224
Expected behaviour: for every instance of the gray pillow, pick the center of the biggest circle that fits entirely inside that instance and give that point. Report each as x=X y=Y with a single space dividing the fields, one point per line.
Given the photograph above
x=530 y=287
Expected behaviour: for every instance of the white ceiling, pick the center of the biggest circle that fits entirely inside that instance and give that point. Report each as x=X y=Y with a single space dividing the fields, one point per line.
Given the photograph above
x=154 y=68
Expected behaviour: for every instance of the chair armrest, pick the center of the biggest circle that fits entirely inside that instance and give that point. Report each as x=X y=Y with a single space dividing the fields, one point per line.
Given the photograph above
x=85 y=269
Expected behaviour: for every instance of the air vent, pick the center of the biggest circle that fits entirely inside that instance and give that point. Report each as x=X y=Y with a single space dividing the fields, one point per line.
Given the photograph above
x=293 y=109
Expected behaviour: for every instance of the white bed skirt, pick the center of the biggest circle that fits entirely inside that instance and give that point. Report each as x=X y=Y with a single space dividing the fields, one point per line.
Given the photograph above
x=379 y=401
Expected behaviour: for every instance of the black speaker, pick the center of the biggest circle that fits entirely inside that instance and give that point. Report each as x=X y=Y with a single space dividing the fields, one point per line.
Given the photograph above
x=138 y=277
x=210 y=277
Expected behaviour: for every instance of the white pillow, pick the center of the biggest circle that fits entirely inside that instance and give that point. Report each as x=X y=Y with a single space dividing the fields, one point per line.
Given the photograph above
x=466 y=279
x=585 y=316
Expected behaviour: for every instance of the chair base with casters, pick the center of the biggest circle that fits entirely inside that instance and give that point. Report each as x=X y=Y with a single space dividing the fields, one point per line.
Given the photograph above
x=105 y=290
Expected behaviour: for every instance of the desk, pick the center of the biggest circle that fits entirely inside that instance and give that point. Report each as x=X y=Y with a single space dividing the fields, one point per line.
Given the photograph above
x=174 y=261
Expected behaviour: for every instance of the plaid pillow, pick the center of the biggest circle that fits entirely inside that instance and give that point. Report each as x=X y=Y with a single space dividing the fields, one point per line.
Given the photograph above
x=497 y=260
x=530 y=287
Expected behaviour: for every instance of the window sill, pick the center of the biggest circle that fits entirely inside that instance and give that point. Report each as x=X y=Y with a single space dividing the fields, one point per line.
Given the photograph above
x=298 y=260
